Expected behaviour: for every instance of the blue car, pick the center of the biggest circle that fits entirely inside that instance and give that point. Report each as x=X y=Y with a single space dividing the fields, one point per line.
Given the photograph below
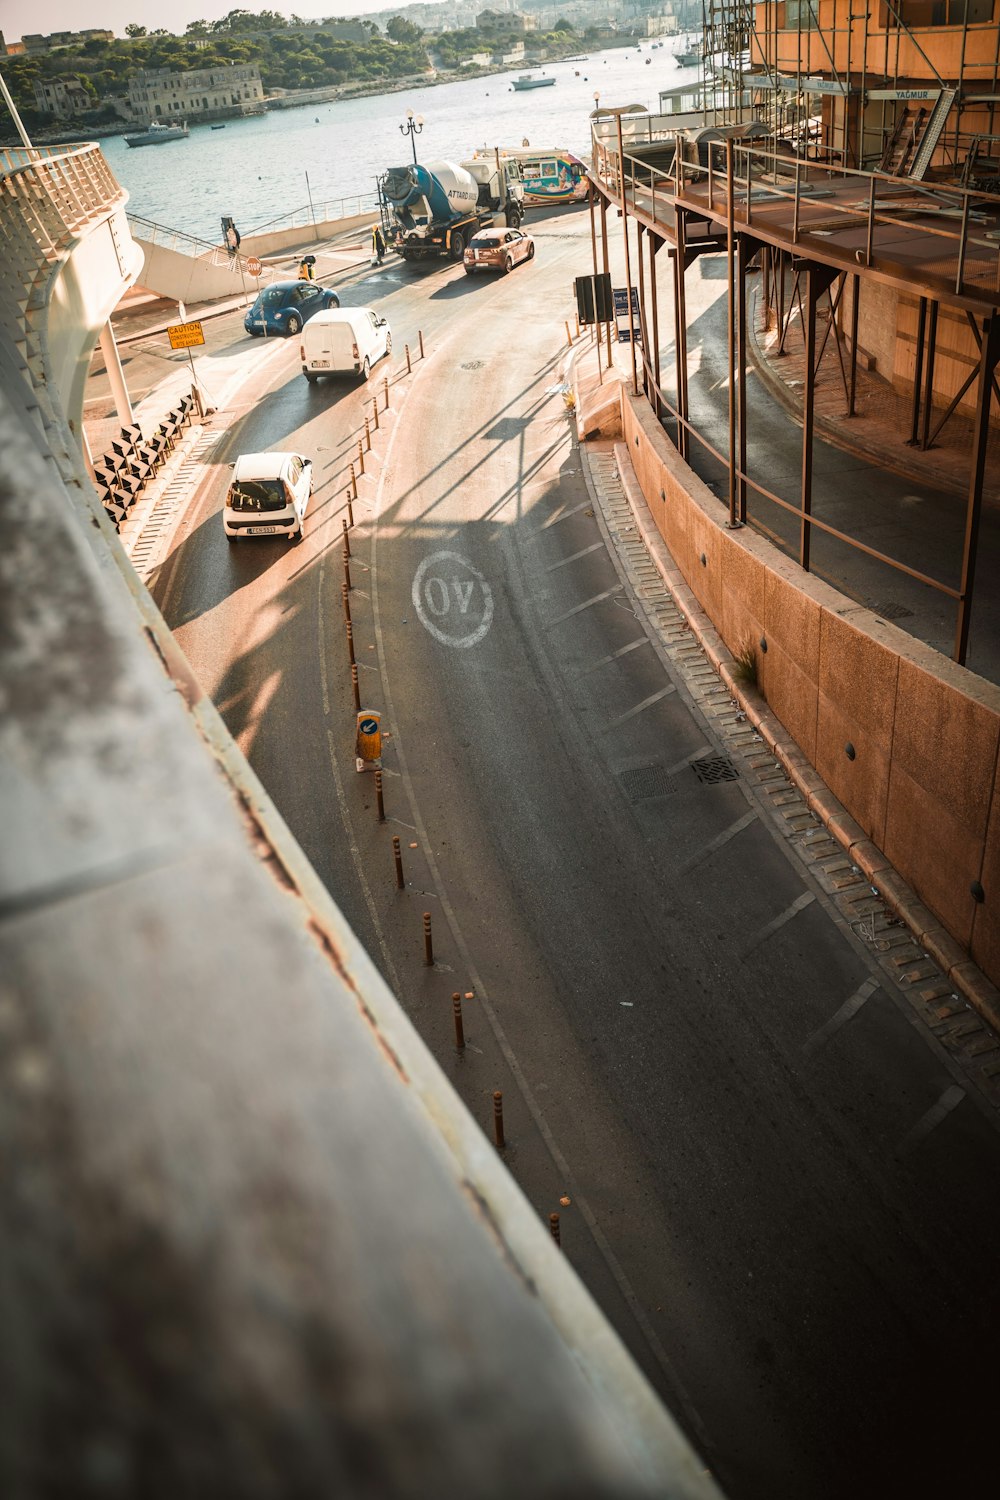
x=284 y=306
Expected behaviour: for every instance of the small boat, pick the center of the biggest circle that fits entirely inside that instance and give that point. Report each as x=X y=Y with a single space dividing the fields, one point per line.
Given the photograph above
x=156 y=134
x=687 y=59
x=531 y=81
x=218 y=127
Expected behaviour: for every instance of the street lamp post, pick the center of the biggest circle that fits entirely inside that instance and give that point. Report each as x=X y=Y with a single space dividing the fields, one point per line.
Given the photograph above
x=414 y=125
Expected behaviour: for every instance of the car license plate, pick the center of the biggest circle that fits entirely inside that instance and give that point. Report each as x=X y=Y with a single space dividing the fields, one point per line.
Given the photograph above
x=321 y=364
x=261 y=530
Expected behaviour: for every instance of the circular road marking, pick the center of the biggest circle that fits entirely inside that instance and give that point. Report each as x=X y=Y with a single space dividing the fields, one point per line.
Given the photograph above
x=447 y=588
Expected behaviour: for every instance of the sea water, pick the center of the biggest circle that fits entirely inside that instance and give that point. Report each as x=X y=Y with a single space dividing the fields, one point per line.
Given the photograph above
x=256 y=169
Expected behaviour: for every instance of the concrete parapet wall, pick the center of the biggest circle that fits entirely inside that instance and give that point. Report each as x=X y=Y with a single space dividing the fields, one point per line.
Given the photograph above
x=923 y=782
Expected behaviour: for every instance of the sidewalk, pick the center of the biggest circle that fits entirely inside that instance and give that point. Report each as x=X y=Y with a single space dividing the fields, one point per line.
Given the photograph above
x=884 y=417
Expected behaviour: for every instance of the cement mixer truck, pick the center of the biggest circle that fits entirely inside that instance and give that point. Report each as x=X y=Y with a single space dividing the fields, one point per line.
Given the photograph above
x=435 y=209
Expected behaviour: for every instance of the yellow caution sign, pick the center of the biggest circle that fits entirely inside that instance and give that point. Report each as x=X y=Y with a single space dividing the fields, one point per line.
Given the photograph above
x=368 y=740
x=186 y=335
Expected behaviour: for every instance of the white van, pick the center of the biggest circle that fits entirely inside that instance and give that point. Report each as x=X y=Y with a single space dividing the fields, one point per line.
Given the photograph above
x=344 y=341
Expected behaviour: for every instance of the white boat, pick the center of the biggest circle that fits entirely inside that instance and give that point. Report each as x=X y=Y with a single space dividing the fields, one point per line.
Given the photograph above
x=156 y=134
x=531 y=81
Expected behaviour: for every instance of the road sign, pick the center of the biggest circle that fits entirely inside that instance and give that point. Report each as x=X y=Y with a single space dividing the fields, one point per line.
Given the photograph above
x=621 y=315
x=254 y=266
x=186 y=335
x=368 y=741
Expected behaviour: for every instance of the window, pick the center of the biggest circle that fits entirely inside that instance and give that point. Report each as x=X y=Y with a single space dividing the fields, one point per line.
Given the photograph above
x=801 y=15
x=921 y=14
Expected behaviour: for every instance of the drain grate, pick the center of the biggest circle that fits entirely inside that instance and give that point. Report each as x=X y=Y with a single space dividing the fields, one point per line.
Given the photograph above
x=715 y=768
x=891 y=611
x=645 y=782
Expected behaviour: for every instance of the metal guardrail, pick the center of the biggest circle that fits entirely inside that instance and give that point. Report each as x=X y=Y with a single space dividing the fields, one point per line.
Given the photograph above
x=311 y=214
x=971 y=262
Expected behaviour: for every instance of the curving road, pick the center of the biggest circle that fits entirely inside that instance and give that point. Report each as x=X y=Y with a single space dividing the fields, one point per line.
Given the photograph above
x=776 y=1184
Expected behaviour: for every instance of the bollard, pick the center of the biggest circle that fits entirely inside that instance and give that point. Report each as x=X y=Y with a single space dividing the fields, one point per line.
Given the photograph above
x=456 y=1006
x=498 y=1118
x=578 y=327
x=350 y=507
x=420 y=336
x=368 y=435
x=569 y=336
x=347 y=540
x=347 y=602
x=428 y=944
x=399 y=862
x=385 y=389
x=361 y=456
x=356 y=688
x=354 y=487
x=350 y=642
x=375 y=411
x=378 y=793
x=554 y=1228
x=347 y=569
x=409 y=367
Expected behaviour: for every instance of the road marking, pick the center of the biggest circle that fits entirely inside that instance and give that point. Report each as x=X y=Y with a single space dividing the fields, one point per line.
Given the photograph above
x=578 y=608
x=948 y=1101
x=639 y=708
x=622 y=651
x=806 y=899
x=563 y=515
x=720 y=839
x=596 y=547
x=840 y=1017
x=434 y=593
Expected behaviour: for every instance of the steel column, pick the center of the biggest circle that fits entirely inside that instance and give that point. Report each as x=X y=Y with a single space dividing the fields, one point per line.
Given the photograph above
x=929 y=378
x=730 y=323
x=643 y=322
x=808 y=413
x=654 y=247
x=853 y=390
x=680 y=333
x=918 y=372
x=607 y=261
x=742 y=256
x=988 y=356
x=593 y=246
x=628 y=263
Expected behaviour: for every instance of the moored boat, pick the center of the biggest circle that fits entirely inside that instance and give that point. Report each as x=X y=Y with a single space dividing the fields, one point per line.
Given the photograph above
x=531 y=81
x=155 y=134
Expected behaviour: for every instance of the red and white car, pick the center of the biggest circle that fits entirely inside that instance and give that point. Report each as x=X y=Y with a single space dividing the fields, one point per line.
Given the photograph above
x=497 y=250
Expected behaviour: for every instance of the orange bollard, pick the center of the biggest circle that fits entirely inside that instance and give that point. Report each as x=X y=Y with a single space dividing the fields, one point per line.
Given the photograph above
x=350 y=642
x=399 y=863
x=347 y=569
x=375 y=411
x=428 y=944
x=347 y=602
x=378 y=794
x=356 y=687
x=385 y=390
x=420 y=336
x=347 y=541
x=456 y=1007
x=368 y=435
x=409 y=367
x=554 y=1228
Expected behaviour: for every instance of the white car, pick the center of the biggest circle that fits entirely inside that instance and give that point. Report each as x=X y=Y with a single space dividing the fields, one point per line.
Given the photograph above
x=268 y=496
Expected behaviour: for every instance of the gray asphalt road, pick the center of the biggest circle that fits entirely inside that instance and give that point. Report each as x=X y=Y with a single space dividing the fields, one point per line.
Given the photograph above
x=775 y=1191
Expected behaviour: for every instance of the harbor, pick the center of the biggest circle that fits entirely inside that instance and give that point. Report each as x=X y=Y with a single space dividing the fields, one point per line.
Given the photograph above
x=297 y=156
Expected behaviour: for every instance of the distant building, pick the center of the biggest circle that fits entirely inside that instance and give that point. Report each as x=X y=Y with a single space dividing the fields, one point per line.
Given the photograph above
x=62 y=97
x=201 y=93
x=56 y=39
x=510 y=22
